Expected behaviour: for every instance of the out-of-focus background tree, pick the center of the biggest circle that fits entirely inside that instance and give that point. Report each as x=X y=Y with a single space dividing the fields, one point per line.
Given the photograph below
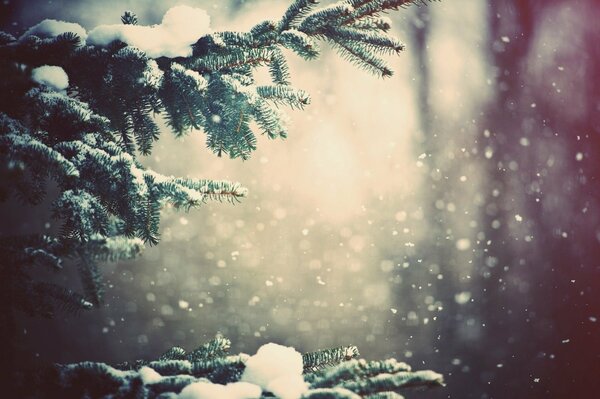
x=449 y=215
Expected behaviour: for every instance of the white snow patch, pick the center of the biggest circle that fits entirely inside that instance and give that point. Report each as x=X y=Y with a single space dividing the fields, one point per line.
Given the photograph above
x=52 y=76
x=149 y=376
x=288 y=387
x=208 y=390
x=52 y=28
x=201 y=82
x=181 y=27
x=153 y=75
x=278 y=369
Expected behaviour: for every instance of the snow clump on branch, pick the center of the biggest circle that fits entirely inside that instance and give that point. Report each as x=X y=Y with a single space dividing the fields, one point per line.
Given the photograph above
x=181 y=27
x=208 y=390
x=277 y=369
x=52 y=28
x=274 y=368
x=52 y=76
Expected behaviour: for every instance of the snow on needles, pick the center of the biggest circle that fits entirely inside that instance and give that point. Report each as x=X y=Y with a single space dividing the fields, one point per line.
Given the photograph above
x=208 y=390
x=288 y=387
x=277 y=369
x=149 y=376
x=53 y=28
x=181 y=27
x=274 y=368
x=52 y=76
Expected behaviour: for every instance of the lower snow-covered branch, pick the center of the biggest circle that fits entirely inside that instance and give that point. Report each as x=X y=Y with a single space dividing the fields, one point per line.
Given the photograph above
x=275 y=371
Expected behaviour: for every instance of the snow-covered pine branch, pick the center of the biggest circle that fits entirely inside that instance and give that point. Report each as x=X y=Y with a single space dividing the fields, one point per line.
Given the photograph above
x=209 y=372
x=81 y=105
x=108 y=202
x=128 y=72
x=78 y=107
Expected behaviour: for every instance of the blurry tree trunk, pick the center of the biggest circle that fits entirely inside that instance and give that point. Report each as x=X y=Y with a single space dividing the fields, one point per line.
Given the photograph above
x=437 y=249
x=501 y=307
x=565 y=268
x=526 y=317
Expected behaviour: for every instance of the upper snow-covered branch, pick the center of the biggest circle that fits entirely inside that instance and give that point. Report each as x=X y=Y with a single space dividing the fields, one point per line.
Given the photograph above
x=181 y=27
x=200 y=79
x=79 y=106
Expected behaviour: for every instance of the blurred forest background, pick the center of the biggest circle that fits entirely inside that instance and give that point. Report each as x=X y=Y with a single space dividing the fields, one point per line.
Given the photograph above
x=448 y=216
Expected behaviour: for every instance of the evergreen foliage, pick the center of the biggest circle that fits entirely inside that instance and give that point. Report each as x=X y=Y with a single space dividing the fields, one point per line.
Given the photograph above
x=87 y=139
x=346 y=377
x=314 y=361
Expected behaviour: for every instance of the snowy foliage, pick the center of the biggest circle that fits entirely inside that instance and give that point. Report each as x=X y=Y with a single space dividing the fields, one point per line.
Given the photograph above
x=52 y=76
x=148 y=375
x=208 y=390
x=260 y=368
x=83 y=106
x=50 y=28
x=180 y=28
x=274 y=371
x=277 y=369
x=81 y=111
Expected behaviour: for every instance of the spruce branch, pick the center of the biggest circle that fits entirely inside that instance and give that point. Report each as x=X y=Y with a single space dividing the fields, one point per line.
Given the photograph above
x=19 y=149
x=278 y=68
x=108 y=203
x=33 y=250
x=330 y=393
x=88 y=137
x=267 y=29
x=361 y=57
x=113 y=248
x=355 y=369
x=129 y=18
x=354 y=27
x=385 y=395
x=148 y=229
x=296 y=11
x=382 y=24
x=40 y=256
x=375 y=40
x=331 y=15
x=176 y=369
x=91 y=278
x=54 y=298
x=393 y=382
x=314 y=361
x=370 y=8
x=175 y=353
x=215 y=348
x=232 y=60
x=268 y=119
x=171 y=367
x=369 y=378
x=282 y=94
x=301 y=43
